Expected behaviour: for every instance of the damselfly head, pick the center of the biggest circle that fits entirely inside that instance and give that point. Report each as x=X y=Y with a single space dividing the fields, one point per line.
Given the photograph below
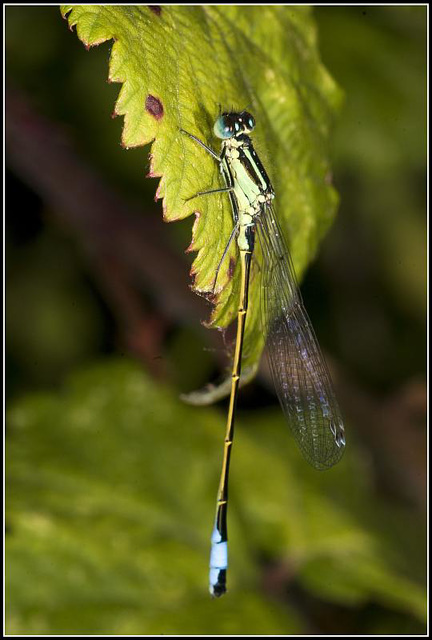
x=230 y=125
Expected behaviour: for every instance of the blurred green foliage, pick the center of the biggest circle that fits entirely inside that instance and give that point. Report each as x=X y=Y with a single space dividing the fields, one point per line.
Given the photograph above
x=64 y=314
x=378 y=55
x=110 y=492
x=111 y=481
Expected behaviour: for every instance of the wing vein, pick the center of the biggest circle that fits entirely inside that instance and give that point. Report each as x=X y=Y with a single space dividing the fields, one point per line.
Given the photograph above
x=298 y=369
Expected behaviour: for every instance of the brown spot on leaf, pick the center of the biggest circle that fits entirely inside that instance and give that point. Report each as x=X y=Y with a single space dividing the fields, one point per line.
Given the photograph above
x=231 y=267
x=154 y=106
x=155 y=8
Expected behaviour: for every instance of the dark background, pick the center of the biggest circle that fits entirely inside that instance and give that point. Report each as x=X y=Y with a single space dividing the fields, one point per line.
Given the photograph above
x=92 y=271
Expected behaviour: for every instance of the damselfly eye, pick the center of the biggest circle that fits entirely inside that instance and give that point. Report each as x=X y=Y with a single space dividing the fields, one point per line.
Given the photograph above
x=222 y=128
x=249 y=121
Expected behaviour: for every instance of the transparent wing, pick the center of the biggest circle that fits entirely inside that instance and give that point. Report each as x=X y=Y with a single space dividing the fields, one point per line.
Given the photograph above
x=300 y=375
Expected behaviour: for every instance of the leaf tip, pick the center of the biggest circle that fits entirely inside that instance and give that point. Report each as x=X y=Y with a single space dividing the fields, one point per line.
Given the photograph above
x=158 y=195
x=151 y=172
x=208 y=324
x=191 y=247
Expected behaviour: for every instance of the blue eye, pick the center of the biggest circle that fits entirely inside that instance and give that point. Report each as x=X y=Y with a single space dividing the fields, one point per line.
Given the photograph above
x=251 y=123
x=222 y=129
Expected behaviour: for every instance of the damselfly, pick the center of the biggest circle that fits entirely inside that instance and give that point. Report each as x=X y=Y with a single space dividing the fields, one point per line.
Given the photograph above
x=298 y=369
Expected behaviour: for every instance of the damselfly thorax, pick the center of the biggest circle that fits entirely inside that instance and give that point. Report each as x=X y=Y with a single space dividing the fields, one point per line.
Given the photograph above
x=251 y=187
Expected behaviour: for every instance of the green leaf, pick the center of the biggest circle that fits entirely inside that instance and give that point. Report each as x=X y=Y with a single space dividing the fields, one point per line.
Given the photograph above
x=178 y=65
x=111 y=488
